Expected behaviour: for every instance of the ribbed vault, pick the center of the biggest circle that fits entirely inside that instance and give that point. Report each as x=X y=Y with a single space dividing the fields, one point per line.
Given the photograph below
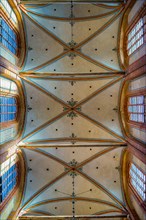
x=73 y=142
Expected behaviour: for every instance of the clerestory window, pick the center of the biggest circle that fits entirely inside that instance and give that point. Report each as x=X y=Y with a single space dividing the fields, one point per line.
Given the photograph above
x=8 y=177
x=135 y=37
x=137 y=108
x=8 y=37
x=138 y=181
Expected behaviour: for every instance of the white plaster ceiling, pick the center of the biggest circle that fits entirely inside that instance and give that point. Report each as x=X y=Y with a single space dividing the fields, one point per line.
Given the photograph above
x=49 y=188
x=94 y=140
x=93 y=118
x=72 y=110
x=94 y=30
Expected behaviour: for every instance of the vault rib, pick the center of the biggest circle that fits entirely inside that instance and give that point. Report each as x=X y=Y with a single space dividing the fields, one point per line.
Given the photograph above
x=108 y=211
x=40 y=213
x=58 y=57
x=42 y=189
x=33 y=6
x=45 y=30
x=74 y=18
x=94 y=61
x=58 y=199
x=107 y=24
x=51 y=156
x=65 y=139
x=96 y=156
x=101 y=126
x=102 y=188
x=45 y=125
x=44 y=91
x=75 y=146
x=98 y=91
x=68 y=77
x=66 y=164
x=107 y=6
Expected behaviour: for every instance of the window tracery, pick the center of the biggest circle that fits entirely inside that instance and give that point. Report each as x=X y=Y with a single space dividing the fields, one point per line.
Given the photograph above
x=8 y=110
x=138 y=181
x=8 y=37
x=136 y=108
x=135 y=37
x=8 y=177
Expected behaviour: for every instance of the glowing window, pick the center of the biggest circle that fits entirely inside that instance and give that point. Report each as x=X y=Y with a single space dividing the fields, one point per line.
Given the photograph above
x=135 y=37
x=8 y=37
x=137 y=180
x=8 y=177
x=9 y=10
x=136 y=108
x=7 y=134
x=8 y=109
x=7 y=86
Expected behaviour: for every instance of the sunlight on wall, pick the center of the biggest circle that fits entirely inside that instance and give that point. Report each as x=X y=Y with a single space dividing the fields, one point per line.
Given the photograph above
x=5 y=5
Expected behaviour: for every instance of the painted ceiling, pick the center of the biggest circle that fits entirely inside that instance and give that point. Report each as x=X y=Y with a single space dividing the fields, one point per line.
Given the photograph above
x=72 y=142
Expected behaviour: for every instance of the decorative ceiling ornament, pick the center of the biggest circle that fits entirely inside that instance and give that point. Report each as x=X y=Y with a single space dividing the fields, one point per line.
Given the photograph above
x=116 y=109
x=72 y=44
x=73 y=195
x=72 y=114
x=73 y=164
x=30 y=48
x=72 y=82
x=72 y=102
x=118 y=168
x=73 y=174
x=29 y=108
x=72 y=55
x=73 y=136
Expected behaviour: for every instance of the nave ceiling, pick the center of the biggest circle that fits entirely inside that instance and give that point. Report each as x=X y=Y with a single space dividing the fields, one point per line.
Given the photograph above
x=72 y=79
x=81 y=39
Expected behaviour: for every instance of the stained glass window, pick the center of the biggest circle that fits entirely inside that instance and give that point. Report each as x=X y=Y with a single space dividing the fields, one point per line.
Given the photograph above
x=8 y=177
x=135 y=37
x=138 y=181
x=8 y=37
x=136 y=108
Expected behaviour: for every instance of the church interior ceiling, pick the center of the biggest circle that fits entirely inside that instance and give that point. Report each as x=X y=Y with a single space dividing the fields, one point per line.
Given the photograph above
x=73 y=142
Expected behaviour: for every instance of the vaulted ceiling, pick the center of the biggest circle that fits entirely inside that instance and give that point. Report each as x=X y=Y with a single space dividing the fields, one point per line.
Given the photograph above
x=81 y=39
x=73 y=142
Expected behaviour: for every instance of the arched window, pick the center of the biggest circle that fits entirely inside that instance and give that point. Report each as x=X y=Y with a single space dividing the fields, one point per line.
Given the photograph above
x=9 y=11
x=137 y=108
x=135 y=37
x=138 y=181
x=8 y=177
x=8 y=37
x=8 y=110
